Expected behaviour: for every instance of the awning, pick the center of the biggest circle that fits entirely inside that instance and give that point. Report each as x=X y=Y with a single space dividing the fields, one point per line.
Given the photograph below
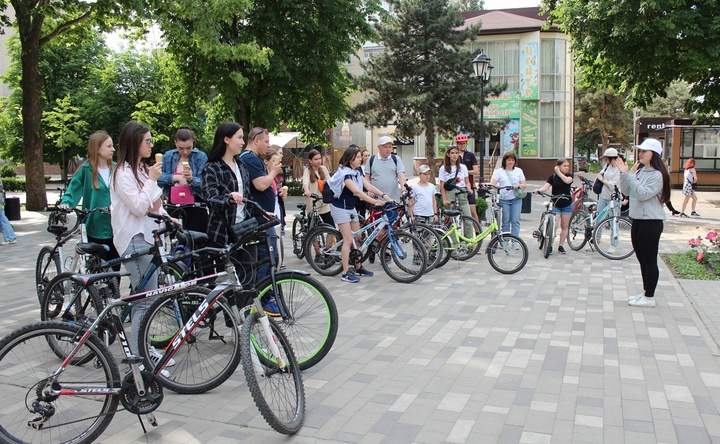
x=287 y=140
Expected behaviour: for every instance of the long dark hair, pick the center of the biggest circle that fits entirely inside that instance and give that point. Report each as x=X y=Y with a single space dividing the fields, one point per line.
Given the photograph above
x=225 y=129
x=657 y=163
x=348 y=156
x=446 y=161
x=131 y=137
x=320 y=171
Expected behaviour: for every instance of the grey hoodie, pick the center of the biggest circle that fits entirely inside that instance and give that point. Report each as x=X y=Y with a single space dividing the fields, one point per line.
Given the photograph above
x=645 y=189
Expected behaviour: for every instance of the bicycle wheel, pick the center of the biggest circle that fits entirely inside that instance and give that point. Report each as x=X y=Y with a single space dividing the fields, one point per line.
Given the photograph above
x=432 y=243
x=404 y=259
x=313 y=323
x=298 y=237
x=46 y=268
x=507 y=253
x=210 y=353
x=28 y=365
x=612 y=238
x=68 y=302
x=278 y=392
x=465 y=250
x=549 y=235
x=541 y=232
x=446 y=247
x=577 y=229
x=322 y=250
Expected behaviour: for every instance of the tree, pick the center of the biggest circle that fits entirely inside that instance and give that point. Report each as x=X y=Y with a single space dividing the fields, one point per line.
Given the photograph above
x=673 y=104
x=267 y=63
x=30 y=22
x=603 y=112
x=422 y=81
x=639 y=47
x=65 y=129
x=471 y=5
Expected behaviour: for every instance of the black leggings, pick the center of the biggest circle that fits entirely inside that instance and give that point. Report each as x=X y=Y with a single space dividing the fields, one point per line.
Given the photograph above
x=645 y=241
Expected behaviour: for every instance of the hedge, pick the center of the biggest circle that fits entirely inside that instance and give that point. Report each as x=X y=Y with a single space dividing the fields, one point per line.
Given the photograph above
x=13 y=184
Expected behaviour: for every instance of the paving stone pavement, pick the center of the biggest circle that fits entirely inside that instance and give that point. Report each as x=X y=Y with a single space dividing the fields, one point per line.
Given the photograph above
x=552 y=354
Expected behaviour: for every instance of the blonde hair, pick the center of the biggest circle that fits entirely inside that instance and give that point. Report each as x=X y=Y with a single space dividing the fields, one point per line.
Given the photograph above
x=96 y=140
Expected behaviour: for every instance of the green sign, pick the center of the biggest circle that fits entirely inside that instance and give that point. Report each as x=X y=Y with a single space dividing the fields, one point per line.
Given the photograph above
x=529 y=129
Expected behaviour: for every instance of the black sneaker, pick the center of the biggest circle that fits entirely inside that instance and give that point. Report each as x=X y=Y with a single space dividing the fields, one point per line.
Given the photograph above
x=561 y=250
x=694 y=214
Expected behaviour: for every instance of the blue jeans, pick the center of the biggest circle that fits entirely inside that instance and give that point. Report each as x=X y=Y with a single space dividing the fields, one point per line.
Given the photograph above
x=137 y=268
x=264 y=269
x=7 y=229
x=511 y=215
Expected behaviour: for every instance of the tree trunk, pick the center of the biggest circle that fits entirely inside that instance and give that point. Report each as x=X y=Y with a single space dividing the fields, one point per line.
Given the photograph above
x=430 y=148
x=29 y=28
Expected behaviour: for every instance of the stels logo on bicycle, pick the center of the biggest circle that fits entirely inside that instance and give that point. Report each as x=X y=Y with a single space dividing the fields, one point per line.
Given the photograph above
x=194 y=319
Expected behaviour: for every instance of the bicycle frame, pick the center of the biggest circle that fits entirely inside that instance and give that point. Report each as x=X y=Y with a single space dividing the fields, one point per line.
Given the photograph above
x=493 y=227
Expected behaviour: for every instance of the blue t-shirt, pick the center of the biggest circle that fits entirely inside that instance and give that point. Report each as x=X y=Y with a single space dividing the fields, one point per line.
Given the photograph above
x=256 y=168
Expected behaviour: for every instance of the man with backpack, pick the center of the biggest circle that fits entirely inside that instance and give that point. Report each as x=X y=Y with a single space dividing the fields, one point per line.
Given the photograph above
x=386 y=170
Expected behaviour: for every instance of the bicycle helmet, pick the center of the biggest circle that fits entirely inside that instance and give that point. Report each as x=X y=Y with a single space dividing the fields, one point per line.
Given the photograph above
x=461 y=138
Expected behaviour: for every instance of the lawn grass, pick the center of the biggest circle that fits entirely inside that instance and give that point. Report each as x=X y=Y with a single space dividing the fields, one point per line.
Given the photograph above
x=683 y=265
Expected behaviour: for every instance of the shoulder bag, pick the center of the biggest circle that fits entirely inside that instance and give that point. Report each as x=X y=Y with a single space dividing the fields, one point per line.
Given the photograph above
x=449 y=186
x=181 y=194
x=519 y=192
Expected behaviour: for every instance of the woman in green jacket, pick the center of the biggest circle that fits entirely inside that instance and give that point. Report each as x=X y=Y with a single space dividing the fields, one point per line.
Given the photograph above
x=90 y=184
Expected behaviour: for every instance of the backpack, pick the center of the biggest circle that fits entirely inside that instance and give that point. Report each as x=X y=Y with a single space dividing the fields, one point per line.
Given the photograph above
x=372 y=158
x=327 y=194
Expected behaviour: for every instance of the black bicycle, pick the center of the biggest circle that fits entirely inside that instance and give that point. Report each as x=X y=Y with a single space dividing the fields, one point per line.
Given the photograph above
x=305 y=222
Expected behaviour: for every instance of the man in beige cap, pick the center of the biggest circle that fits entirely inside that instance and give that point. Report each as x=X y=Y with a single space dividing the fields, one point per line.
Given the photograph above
x=386 y=170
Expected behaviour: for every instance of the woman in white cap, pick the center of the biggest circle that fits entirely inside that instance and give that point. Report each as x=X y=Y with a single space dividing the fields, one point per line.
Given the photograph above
x=609 y=176
x=648 y=184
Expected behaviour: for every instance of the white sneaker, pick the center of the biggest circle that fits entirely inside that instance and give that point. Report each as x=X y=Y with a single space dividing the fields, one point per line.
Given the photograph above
x=163 y=372
x=155 y=357
x=643 y=302
x=635 y=296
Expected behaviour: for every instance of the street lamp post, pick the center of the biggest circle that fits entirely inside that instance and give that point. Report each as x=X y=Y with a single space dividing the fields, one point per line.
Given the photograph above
x=483 y=69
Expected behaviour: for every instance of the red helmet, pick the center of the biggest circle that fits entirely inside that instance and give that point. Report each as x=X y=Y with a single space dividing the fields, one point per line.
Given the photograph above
x=461 y=138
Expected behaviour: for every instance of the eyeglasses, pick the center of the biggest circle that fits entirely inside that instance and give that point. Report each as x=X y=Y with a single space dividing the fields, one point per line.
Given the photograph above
x=148 y=141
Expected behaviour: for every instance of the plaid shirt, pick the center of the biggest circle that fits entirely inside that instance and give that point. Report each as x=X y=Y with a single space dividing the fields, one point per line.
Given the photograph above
x=218 y=181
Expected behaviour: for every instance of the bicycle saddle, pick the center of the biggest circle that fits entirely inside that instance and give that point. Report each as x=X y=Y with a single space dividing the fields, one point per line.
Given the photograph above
x=301 y=206
x=192 y=239
x=90 y=279
x=452 y=213
x=91 y=248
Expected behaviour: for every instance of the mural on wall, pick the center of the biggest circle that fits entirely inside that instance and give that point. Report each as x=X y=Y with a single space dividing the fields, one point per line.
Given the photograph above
x=529 y=130
x=511 y=136
x=529 y=71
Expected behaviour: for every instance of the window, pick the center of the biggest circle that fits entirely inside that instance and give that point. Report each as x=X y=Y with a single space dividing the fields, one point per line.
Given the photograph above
x=505 y=59
x=703 y=144
x=555 y=124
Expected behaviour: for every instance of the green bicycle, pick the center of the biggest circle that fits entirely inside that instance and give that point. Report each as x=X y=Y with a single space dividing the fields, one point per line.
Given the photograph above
x=506 y=252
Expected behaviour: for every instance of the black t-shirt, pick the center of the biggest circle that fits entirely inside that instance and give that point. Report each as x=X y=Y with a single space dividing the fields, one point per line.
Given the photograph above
x=469 y=160
x=560 y=187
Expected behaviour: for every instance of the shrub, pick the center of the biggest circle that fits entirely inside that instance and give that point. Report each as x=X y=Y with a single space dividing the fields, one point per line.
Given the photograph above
x=295 y=187
x=7 y=171
x=13 y=184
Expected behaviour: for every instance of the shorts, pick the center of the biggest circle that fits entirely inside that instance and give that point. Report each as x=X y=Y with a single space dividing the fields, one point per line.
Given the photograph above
x=343 y=216
x=565 y=210
x=471 y=198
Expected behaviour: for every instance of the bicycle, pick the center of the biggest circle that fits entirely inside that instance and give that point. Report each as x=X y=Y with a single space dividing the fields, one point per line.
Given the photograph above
x=581 y=195
x=52 y=260
x=50 y=397
x=307 y=310
x=460 y=249
x=545 y=234
x=586 y=226
x=430 y=236
x=402 y=254
x=304 y=223
x=506 y=252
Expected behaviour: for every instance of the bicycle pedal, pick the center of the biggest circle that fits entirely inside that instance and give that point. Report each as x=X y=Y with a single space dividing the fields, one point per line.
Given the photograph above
x=536 y=234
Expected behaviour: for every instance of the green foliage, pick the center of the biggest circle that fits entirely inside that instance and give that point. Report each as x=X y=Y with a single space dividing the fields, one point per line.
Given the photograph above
x=13 y=184
x=64 y=127
x=422 y=81
x=295 y=187
x=7 y=171
x=685 y=266
x=601 y=113
x=641 y=47
x=481 y=206
x=672 y=104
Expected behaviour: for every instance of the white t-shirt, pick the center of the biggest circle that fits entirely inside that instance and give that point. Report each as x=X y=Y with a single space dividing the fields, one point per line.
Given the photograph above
x=424 y=196
x=516 y=175
x=240 y=210
x=446 y=177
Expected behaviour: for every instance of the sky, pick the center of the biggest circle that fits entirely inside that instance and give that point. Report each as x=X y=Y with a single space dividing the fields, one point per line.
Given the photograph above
x=508 y=4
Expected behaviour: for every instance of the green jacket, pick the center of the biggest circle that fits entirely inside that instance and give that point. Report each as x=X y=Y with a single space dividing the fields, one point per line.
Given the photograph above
x=80 y=187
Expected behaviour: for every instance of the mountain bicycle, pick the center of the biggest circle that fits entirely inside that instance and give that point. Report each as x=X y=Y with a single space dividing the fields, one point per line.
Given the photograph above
x=608 y=232
x=506 y=252
x=460 y=249
x=581 y=195
x=545 y=234
x=305 y=222
x=50 y=397
x=402 y=255
x=430 y=236
x=52 y=261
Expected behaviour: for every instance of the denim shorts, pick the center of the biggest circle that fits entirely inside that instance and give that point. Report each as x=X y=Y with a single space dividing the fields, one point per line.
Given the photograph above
x=343 y=216
x=565 y=210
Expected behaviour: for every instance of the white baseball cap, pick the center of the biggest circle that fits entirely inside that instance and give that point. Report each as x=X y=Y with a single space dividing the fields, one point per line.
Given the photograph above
x=423 y=169
x=651 y=145
x=384 y=139
x=610 y=152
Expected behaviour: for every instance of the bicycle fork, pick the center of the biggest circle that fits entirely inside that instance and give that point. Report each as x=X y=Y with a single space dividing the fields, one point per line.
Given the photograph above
x=272 y=343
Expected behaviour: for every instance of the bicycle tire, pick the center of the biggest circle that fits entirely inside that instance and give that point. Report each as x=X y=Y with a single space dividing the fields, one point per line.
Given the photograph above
x=210 y=353
x=325 y=260
x=431 y=241
x=507 y=253
x=541 y=233
x=313 y=323
x=549 y=236
x=405 y=259
x=298 y=237
x=618 y=244
x=47 y=267
x=28 y=362
x=66 y=301
x=447 y=247
x=578 y=229
x=278 y=393
x=463 y=251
